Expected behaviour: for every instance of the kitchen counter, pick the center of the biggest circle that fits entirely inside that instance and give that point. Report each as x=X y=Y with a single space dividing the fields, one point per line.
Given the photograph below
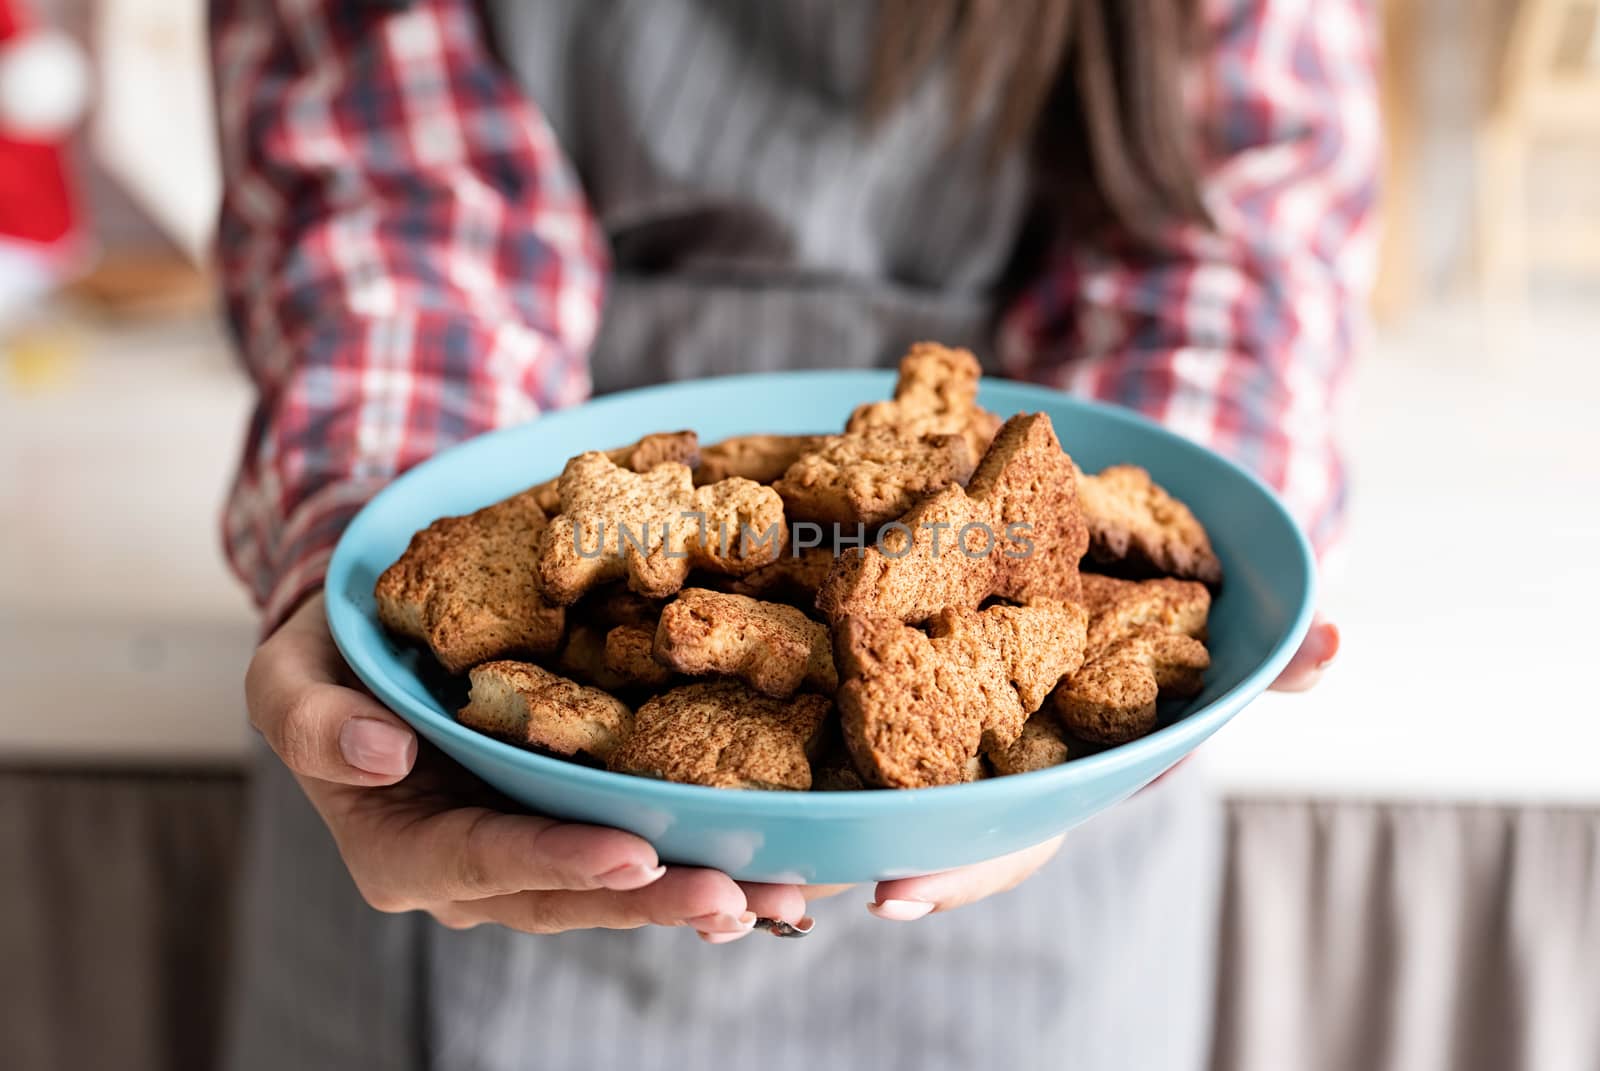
x=1463 y=594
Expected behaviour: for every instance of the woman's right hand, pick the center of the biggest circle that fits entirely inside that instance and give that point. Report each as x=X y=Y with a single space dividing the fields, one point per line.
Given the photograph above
x=418 y=833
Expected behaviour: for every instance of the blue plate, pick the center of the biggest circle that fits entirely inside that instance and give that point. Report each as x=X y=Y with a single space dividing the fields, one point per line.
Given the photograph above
x=1257 y=621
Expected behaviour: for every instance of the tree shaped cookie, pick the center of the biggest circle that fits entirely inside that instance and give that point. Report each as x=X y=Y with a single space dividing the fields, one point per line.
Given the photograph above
x=916 y=708
x=650 y=528
x=467 y=587
x=1013 y=532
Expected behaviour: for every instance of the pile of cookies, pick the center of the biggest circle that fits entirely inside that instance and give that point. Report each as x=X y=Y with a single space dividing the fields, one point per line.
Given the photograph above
x=898 y=605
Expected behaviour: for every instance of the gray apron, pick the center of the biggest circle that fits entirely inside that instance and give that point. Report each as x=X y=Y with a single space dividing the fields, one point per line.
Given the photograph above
x=756 y=223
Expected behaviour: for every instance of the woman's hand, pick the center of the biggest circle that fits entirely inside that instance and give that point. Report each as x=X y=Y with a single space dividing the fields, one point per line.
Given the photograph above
x=1316 y=651
x=911 y=898
x=908 y=899
x=419 y=834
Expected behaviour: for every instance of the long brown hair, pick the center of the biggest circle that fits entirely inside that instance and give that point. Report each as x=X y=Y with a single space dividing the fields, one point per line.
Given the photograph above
x=1096 y=85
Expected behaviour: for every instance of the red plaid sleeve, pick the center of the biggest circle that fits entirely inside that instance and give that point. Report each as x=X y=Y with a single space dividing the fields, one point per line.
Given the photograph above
x=1239 y=337
x=407 y=260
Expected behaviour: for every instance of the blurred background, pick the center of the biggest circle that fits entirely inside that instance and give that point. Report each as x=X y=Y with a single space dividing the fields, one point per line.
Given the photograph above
x=1414 y=879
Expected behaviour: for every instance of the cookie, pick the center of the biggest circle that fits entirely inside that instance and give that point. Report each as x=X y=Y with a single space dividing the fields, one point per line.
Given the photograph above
x=871 y=476
x=794 y=577
x=467 y=587
x=650 y=528
x=762 y=458
x=1135 y=524
x=722 y=734
x=642 y=456
x=1112 y=698
x=916 y=708
x=609 y=638
x=583 y=656
x=1143 y=642
x=834 y=773
x=775 y=649
x=1013 y=532
x=937 y=394
x=532 y=707
x=1042 y=744
x=1118 y=607
x=629 y=656
x=613 y=605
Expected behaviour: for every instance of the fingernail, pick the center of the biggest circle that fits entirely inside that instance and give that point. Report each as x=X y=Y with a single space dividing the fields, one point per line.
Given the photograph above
x=900 y=910
x=723 y=938
x=722 y=922
x=629 y=876
x=376 y=746
x=780 y=928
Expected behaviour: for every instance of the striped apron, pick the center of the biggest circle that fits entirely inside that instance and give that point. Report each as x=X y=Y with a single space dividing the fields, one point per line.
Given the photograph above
x=756 y=223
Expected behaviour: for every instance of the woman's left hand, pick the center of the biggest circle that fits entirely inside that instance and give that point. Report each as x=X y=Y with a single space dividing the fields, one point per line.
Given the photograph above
x=906 y=899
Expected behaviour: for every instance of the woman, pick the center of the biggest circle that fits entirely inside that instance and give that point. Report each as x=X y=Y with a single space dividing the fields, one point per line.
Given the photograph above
x=425 y=202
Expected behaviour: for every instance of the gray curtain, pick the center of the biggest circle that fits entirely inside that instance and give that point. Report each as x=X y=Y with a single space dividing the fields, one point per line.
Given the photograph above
x=1355 y=937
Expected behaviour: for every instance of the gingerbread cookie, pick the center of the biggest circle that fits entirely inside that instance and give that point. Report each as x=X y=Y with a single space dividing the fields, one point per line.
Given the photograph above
x=1135 y=524
x=916 y=708
x=794 y=577
x=466 y=587
x=871 y=476
x=609 y=637
x=532 y=707
x=1119 y=607
x=722 y=734
x=1013 y=532
x=1143 y=642
x=773 y=648
x=1041 y=745
x=1112 y=699
x=937 y=394
x=650 y=528
x=583 y=656
x=630 y=657
x=831 y=769
x=762 y=458
x=642 y=456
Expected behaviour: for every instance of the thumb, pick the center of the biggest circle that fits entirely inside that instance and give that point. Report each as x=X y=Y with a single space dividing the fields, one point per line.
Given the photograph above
x=319 y=728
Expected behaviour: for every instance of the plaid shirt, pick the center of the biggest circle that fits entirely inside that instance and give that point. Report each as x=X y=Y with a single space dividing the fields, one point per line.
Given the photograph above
x=408 y=260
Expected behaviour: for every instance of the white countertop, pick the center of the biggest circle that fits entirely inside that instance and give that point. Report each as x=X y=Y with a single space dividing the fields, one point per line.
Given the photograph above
x=1463 y=597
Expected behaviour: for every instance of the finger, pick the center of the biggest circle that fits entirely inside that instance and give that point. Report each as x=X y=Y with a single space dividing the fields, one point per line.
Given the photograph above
x=1316 y=653
x=785 y=902
x=906 y=899
x=319 y=729
x=472 y=853
x=707 y=900
x=324 y=731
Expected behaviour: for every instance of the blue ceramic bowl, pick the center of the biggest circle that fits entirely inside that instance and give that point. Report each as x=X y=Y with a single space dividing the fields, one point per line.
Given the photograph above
x=1257 y=621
